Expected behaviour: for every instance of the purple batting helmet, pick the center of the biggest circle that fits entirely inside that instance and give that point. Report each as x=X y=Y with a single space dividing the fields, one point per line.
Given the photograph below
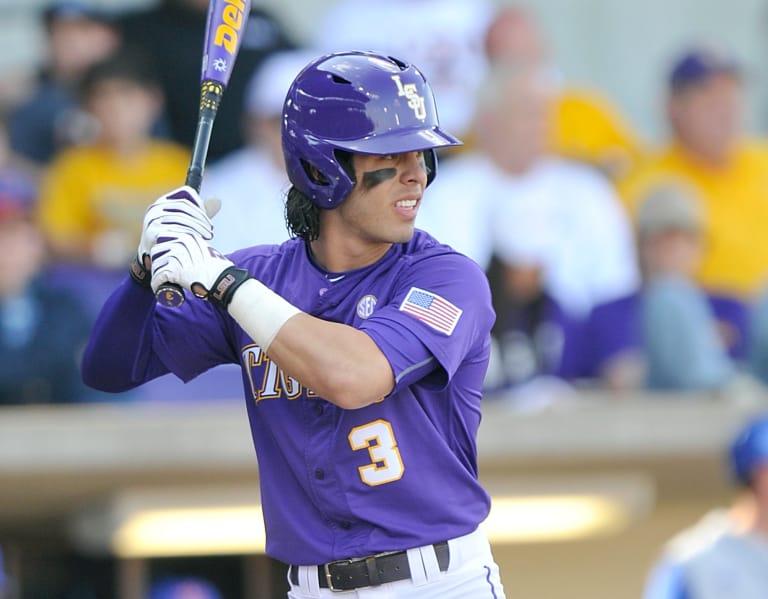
x=750 y=449
x=358 y=102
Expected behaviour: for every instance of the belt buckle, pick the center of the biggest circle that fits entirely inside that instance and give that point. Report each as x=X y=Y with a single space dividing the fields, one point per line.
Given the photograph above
x=347 y=562
x=329 y=577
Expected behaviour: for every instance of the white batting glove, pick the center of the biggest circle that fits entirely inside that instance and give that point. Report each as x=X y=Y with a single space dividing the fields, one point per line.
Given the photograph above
x=184 y=258
x=178 y=211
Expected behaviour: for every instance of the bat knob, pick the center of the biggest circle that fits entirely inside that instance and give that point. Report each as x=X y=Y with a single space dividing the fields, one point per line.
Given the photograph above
x=170 y=295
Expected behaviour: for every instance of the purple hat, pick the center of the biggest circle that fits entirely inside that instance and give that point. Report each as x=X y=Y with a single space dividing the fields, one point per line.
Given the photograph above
x=74 y=10
x=699 y=64
x=17 y=194
x=358 y=102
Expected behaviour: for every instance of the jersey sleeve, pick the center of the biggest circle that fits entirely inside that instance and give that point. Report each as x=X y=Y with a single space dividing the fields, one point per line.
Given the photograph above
x=193 y=338
x=439 y=316
x=134 y=340
x=119 y=353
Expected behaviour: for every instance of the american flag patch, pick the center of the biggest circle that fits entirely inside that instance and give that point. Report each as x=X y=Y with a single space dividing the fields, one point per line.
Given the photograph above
x=432 y=309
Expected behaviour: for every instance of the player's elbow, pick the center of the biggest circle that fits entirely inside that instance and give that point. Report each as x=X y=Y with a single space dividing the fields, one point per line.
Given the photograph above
x=99 y=373
x=352 y=391
x=95 y=379
x=90 y=372
x=350 y=401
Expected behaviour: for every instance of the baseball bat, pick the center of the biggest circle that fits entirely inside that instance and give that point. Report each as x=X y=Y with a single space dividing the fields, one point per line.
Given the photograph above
x=225 y=25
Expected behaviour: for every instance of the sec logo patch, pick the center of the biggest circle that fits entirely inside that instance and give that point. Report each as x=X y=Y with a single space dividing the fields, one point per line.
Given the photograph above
x=366 y=305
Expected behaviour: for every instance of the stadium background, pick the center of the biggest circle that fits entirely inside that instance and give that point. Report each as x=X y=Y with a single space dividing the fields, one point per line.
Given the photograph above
x=619 y=46
x=70 y=477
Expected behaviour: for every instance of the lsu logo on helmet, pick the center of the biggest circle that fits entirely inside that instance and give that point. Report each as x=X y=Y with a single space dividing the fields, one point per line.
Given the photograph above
x=415 y=101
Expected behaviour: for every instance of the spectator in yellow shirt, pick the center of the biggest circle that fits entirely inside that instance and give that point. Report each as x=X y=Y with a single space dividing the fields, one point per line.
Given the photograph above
x=94 y=195
x=708 y=149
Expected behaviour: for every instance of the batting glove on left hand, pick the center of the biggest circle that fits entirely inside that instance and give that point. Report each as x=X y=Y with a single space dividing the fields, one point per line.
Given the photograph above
x=181 y=210
x=187 y=260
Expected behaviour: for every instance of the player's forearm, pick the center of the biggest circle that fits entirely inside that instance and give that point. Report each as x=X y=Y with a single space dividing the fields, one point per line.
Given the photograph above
x=338 y=362
x=117 y=356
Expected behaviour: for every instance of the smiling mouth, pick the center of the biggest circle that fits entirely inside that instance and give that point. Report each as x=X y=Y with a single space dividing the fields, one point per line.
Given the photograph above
x=406 y=203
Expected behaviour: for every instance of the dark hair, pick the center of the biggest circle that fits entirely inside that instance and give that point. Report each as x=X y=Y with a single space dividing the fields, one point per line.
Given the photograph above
x=302 y=215
x=126 y=65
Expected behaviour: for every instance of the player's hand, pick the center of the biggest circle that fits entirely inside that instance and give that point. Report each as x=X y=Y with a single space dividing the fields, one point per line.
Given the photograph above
x=179 y=211
x=187 y=260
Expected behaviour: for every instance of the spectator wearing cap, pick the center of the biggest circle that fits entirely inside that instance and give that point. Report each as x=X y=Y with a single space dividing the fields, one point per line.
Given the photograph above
x=78 y=34
x=724 y=554
x=249 y=217
x=670 y=334
x=43 y=328
x=708 y=149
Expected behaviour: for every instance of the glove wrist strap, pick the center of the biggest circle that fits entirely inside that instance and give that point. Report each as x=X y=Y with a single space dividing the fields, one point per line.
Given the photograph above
x=225 y=286
x=140 y=274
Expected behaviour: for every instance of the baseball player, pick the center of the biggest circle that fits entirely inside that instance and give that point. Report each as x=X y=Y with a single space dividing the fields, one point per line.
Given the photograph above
x=363 y=343
x=726 y=554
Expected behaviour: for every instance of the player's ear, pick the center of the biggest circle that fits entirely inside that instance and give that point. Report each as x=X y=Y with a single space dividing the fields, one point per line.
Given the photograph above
x=314 y=174
x=347 y=162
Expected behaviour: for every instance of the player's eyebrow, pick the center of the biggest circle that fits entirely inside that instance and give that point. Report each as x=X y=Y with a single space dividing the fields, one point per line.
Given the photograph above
x=373 y=178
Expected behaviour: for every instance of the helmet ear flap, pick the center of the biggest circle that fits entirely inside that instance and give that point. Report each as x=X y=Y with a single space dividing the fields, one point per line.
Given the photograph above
x=430 y=161
x=317 y=174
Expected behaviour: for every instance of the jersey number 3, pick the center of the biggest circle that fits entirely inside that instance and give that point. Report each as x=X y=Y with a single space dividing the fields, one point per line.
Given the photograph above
x=386 y=465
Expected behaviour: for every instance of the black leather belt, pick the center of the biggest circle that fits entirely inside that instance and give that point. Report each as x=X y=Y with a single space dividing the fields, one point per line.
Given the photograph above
x=350 y=574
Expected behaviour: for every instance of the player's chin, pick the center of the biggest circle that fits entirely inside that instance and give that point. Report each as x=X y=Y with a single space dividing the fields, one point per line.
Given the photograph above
x=403 y=233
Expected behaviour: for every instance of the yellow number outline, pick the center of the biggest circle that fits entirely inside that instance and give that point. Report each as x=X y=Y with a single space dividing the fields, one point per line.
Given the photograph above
x=386 y=463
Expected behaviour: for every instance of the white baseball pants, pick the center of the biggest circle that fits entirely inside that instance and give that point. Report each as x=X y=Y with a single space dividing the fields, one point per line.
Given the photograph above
x=472 y=574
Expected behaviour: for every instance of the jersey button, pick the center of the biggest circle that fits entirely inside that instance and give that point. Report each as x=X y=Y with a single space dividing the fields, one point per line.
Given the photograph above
x=319 y=409
x=319 y=474
x=345 y=525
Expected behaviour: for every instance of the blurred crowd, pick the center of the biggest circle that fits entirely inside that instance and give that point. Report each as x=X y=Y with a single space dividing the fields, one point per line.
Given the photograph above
x=615 y=263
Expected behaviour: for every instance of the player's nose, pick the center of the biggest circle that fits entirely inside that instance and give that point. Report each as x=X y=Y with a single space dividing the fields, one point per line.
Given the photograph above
x=414 y=168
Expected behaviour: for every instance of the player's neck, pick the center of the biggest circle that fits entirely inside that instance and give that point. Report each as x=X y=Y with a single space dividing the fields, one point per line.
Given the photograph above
x=342 y=254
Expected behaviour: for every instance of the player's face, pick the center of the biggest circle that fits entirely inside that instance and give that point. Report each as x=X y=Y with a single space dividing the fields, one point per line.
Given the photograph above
x=707 y=117
x=760 y=485
x=382 y=207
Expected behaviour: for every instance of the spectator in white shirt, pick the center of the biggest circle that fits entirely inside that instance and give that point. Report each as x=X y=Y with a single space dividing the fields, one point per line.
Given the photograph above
x=509 y=189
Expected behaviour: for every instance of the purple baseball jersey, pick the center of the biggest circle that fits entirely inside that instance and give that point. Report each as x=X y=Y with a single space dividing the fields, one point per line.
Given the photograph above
x=338 y=483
